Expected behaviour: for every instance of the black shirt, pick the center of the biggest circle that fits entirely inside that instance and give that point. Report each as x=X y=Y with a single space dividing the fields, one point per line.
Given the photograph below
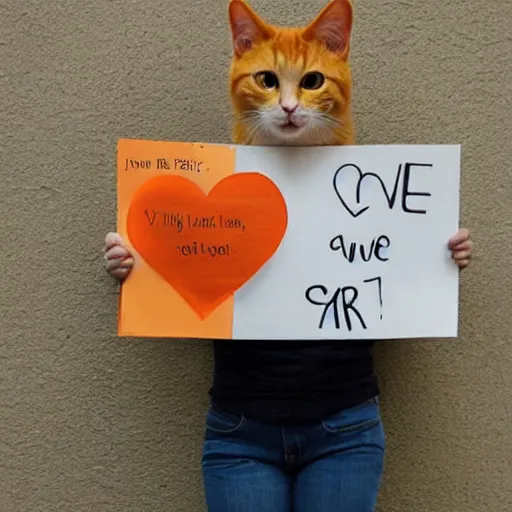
x=291 y=381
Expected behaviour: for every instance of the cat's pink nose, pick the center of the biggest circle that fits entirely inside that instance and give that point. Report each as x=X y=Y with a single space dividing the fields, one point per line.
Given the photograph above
x=289 y=108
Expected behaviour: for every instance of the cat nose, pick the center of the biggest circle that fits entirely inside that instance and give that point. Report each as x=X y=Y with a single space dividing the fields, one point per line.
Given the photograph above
x=289 y=108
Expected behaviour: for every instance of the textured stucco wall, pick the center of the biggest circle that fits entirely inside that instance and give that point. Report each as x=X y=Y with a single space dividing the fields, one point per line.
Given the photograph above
x=89 y=422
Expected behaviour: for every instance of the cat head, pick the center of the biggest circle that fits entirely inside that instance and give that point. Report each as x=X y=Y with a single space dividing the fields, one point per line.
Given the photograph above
x=291 y=86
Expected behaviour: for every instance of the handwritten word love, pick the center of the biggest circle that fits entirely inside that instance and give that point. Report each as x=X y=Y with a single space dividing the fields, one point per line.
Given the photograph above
x=349 y=191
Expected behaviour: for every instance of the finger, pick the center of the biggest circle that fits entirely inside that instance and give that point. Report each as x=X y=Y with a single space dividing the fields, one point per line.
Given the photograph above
x=112 y=239
x=127 y=263
x=463 y=246
x=114 y=264
x=119 y=273
x=461 y=236
x=117 y=263
x=462 y=255
x=463 y=263
x=116 y=252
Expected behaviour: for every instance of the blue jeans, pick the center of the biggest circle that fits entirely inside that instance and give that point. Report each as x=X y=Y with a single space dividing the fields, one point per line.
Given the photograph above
x=332 y=466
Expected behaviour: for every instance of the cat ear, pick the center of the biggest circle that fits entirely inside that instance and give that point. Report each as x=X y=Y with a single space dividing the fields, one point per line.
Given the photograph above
x=332 y=27
x=247 y=28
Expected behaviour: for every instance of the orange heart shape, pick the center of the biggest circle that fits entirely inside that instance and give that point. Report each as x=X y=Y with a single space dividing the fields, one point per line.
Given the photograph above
x=206 y=246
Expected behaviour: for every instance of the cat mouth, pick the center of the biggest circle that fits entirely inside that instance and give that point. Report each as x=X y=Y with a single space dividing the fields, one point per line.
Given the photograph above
x=290 y=126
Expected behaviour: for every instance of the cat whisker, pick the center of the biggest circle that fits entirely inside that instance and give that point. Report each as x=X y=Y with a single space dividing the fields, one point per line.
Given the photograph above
x=254 y=125
x=322 y=125
x=253 y=122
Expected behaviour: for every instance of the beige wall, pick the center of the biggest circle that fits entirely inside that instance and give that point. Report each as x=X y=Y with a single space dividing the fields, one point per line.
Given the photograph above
x=91 y=423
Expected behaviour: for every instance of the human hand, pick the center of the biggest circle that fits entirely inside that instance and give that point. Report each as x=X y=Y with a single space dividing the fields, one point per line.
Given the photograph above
x=119 y=260
x=461 y=247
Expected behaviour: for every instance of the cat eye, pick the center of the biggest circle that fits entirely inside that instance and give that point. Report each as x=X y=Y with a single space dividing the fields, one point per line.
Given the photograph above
x=312 y=81
x=267 y=79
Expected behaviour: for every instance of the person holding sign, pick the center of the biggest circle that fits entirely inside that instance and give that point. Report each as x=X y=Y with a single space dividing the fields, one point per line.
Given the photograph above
x=293 y=425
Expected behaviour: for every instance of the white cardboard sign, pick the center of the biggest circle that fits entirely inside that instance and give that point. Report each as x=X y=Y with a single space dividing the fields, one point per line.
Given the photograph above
x=365 y=254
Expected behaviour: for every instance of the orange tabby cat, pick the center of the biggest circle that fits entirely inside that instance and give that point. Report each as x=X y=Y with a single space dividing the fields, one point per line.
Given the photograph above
x=291 y=86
